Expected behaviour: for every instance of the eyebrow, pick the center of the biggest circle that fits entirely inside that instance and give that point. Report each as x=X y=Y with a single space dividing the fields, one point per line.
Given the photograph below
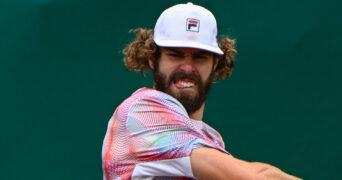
x=202 y=53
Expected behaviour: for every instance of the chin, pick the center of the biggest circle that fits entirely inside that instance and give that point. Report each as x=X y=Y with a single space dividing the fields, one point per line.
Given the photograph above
x=186 y=92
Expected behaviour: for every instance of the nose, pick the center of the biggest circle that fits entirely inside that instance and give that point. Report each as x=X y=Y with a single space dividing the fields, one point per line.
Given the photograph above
x=188 y=65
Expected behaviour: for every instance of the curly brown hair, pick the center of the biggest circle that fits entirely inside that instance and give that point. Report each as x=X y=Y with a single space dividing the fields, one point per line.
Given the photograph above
x=143 y=47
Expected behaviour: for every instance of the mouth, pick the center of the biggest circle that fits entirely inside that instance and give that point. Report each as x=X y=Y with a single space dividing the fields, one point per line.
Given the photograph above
x=184 y=83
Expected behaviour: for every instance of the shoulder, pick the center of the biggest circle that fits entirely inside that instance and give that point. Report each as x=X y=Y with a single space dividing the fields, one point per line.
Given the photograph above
x=145 y=98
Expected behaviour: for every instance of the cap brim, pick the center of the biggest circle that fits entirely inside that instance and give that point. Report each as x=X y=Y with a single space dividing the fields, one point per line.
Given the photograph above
x=188 y=44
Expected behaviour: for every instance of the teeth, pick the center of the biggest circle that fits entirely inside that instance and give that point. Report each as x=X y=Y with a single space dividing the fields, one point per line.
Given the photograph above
x=186 y=84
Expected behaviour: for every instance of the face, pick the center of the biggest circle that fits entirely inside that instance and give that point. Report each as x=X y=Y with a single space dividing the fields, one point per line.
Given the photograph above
x=184 y=73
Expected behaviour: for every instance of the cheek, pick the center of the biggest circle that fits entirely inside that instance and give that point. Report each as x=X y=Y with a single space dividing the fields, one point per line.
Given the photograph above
x=164 y=70
x=166 y=67
x=205 y=71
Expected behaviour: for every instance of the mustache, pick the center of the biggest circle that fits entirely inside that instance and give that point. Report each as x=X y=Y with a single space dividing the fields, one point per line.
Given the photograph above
x=181 y=75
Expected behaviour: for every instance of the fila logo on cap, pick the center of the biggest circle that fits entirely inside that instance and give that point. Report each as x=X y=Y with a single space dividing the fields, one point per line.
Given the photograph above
x=192 y=24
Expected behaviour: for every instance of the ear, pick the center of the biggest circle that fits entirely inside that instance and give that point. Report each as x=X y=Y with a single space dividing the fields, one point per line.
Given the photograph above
x=150 y=63
x=216 y=60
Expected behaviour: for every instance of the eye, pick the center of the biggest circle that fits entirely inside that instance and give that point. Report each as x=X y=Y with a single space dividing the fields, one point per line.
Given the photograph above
x=174 y=55
x=201 y=56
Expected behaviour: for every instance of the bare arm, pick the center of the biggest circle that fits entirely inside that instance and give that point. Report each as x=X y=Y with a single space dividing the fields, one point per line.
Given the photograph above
x=209 y=163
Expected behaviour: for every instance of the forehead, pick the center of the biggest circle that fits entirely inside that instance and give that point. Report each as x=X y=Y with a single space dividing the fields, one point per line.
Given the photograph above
x=184 y=50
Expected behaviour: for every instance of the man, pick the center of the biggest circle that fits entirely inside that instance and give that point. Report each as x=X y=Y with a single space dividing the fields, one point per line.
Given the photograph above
x=159 y=133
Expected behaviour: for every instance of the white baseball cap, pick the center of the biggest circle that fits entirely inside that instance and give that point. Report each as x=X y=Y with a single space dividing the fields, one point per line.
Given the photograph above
x=187 y=25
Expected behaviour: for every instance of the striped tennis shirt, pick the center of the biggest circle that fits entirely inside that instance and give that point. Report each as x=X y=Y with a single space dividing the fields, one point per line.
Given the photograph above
x=150 y=136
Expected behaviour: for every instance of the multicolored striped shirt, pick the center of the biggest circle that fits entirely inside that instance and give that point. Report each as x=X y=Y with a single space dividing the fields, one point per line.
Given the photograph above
x=150 y=136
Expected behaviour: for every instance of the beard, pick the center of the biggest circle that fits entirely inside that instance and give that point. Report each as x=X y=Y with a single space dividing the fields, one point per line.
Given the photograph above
x=191 y=101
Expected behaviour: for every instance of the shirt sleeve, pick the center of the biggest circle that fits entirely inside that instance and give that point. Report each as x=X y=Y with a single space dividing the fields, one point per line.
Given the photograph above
x=162 y=134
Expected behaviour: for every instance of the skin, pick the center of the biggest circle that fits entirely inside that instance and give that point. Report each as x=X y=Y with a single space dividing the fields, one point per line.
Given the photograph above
x=209 y=163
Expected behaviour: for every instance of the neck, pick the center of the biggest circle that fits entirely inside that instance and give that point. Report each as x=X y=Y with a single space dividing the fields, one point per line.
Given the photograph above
x=197 y=115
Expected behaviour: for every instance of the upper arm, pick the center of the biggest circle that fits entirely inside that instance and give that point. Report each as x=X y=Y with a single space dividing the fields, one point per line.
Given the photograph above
x=209 y=163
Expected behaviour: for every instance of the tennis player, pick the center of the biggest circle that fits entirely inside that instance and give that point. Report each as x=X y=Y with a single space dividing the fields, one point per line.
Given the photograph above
x=159 y=133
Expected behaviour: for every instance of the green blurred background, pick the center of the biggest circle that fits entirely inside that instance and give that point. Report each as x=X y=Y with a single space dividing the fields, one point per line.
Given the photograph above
x=62 y=76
